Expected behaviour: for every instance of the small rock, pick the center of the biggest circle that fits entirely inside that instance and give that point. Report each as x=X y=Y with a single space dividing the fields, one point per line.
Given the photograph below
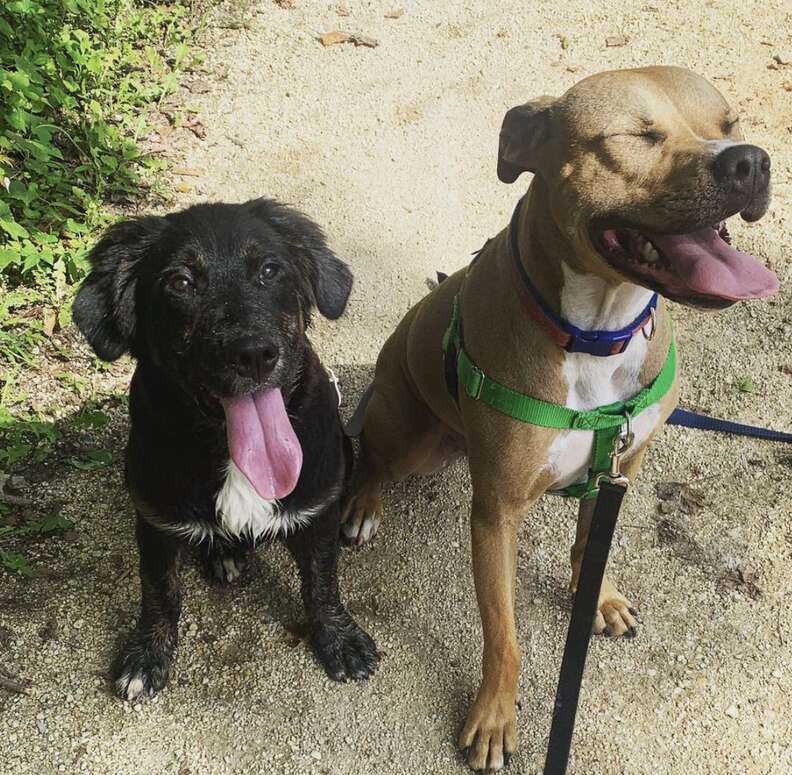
x=397 y=14
x=78 y=624
x=731 y=711
x=137 y=707
x=616 y=41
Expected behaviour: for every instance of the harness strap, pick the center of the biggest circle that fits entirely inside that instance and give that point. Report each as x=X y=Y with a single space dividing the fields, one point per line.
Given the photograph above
x=605 y=421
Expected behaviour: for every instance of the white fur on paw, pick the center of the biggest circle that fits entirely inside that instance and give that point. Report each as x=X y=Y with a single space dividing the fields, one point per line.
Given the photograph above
x=232 y=571
x=368 y=529
x=131 y=686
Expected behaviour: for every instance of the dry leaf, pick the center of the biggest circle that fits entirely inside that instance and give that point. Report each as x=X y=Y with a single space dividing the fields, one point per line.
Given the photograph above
x=195 y=126
x=183 y=188
x=50 y=318
x=187 y=172
x=198 y=85
x=331 y=38
x=615 y=41
x=397 y=14
x=741 y=581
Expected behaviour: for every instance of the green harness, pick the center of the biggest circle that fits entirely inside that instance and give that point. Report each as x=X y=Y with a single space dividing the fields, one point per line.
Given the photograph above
x=605 y=421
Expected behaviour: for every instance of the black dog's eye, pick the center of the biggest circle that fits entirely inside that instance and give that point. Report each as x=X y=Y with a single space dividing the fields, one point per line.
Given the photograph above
x=180 y=284
x=268 y=271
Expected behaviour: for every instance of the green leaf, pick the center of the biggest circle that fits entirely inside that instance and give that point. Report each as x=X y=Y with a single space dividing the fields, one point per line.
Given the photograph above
x=90 y=420
x=53 y=523
x=15 y=562
x=92 y=460
x=15 y=453
x=12 y=228
x=745 y=385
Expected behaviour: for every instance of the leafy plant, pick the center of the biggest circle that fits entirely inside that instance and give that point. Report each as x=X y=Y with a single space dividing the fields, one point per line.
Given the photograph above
x=76 y=78
x=745 y=385
x=16 y=562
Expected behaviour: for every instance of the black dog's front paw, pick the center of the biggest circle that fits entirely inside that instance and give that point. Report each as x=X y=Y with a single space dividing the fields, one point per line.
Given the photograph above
x=345 y=650
x=141 y=669
x=224 y=563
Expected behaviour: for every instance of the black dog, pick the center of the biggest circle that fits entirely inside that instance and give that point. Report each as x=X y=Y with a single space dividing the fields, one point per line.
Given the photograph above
x=234 y=433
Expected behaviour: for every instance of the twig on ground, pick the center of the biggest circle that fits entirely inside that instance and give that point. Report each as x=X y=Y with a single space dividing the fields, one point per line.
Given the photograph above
x=11 y=685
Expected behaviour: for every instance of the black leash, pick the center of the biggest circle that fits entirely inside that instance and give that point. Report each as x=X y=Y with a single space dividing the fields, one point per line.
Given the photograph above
x=584 y=609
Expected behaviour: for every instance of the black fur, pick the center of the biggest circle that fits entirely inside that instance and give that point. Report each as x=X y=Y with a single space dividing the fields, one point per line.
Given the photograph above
x=183 y=337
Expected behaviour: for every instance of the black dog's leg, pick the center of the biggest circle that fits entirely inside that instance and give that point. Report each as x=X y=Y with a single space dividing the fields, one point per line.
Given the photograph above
x=143 y=665
x=343 y=648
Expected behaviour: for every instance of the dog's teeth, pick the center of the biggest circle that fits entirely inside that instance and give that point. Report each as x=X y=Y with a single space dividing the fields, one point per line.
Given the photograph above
x=649 y=253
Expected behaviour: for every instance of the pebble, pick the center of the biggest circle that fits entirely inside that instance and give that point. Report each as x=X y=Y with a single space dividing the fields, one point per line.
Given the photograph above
x=731 y=711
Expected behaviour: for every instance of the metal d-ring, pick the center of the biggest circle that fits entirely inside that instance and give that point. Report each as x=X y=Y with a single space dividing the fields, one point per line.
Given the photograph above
x=653 y=321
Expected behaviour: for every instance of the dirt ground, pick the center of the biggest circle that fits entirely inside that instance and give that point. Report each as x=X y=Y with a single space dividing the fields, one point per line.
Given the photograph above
x=393 y=149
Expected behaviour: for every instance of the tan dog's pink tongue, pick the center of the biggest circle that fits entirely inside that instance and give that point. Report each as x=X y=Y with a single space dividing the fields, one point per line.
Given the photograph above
x=262 y=442
x=710 y=266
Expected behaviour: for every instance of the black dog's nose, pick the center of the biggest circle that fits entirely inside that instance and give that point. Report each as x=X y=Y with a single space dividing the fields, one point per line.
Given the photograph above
x=744 y=168
x=253 y=357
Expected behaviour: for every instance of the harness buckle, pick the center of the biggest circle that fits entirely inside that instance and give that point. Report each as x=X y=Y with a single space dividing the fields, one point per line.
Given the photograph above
x=476 y=383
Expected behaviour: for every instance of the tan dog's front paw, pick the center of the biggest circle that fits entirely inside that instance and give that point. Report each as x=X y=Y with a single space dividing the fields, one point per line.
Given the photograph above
x=616 y=616
x=362 y=514
x=489 y=736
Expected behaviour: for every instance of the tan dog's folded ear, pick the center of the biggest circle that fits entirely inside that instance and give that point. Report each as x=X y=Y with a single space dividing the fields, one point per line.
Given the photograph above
x=525 y=128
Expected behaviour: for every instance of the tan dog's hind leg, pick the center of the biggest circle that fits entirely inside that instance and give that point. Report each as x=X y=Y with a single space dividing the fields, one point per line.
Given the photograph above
x=490 y=732
x=399 y=434
x=616 y=615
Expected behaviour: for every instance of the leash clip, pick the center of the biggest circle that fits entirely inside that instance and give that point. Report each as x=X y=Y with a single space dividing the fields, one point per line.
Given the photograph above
x=623 y=441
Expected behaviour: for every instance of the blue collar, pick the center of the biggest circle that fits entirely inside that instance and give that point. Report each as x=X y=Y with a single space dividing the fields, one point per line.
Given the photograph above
x=569 y=337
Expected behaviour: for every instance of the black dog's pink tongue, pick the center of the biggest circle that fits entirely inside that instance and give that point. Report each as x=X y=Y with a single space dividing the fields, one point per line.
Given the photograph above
x=262 y=442
x=709 y=265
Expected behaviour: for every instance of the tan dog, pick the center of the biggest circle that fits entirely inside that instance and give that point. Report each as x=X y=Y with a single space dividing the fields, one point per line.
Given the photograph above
x=634 y=173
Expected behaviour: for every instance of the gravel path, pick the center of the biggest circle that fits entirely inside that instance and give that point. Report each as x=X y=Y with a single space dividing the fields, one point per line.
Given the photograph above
x=392 y=149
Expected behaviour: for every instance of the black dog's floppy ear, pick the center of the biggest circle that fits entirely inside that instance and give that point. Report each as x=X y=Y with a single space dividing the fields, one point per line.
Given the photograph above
x=331 y=279
x=525 y=129
x=104 y=309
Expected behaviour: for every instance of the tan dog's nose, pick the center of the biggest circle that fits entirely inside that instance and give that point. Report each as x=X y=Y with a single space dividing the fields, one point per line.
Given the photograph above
x=744 y=170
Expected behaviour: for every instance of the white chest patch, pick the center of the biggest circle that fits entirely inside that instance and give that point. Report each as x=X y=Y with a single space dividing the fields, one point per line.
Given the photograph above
x=244 y=513
x=594 y=381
